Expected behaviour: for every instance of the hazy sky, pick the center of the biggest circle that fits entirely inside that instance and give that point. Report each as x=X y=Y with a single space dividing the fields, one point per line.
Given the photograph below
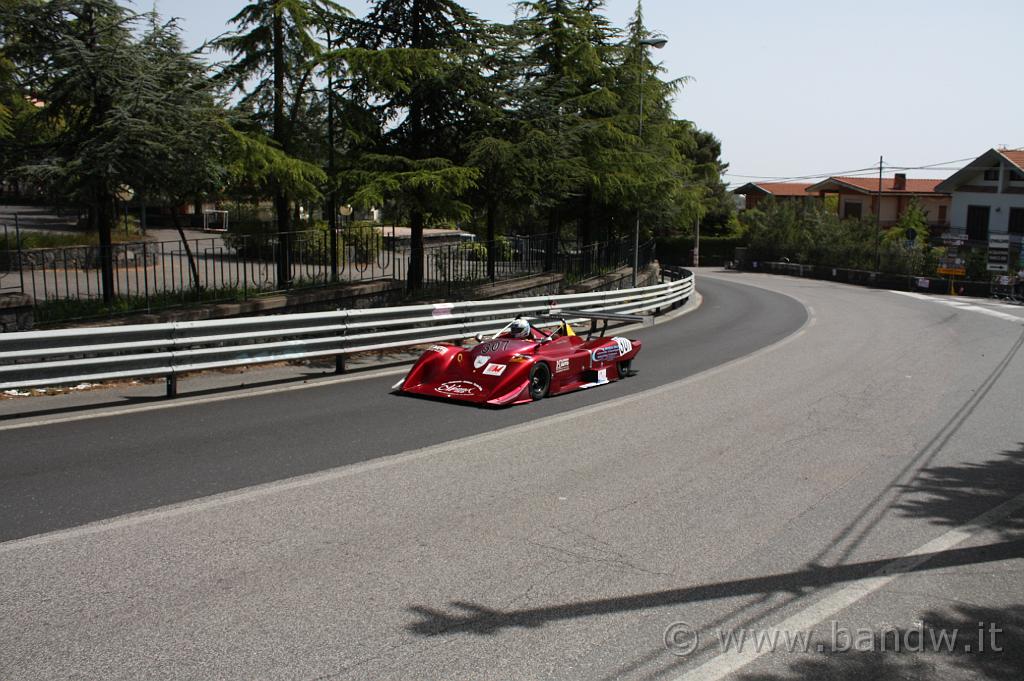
x=798 y=88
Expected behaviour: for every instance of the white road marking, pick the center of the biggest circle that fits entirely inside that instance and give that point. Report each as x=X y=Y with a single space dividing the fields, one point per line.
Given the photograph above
x=723 y=665
x=299 y=482
x=964 y=305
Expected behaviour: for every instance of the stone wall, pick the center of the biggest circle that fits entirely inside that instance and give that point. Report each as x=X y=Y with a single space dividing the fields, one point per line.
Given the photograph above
x=15 y=312
x=618 y=279
x=81 y=257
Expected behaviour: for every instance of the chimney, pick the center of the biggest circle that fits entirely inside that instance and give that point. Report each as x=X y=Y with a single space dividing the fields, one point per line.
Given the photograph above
x=900 y=183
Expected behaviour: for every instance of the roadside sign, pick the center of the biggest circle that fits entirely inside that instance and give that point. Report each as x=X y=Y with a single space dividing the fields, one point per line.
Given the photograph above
x=953 y=271
x=999 y=253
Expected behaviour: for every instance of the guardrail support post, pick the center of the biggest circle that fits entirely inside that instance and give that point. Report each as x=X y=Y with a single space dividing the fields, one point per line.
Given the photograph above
x=339 y=364
x=172 y=385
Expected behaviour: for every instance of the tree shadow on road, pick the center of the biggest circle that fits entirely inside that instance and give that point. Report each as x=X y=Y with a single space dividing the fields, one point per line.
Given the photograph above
x=945 y=646
x=946 y=495
x=953 y=495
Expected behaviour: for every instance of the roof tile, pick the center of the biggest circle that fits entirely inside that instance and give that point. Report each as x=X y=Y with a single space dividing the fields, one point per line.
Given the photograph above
x=870 y=184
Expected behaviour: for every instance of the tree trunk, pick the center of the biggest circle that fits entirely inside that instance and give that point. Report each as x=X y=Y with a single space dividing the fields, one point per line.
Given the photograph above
x=281 y=202
x=552 y=241
x=101 y=215
x=284 y=241
x=492 y=218
x=415 y=273
x=192 y=267
x=584 y=234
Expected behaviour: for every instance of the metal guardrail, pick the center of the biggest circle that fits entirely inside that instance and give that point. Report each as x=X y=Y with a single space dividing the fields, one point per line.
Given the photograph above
x=49 y=358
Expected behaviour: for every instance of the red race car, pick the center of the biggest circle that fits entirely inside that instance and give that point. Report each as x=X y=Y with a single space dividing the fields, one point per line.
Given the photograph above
x=522 y=363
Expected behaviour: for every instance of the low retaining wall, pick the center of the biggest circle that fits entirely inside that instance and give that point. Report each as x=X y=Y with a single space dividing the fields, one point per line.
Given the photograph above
x=618 y=279
x=350 y=296
x=15 y=312
x=899 y=282
x=380 y=293
x=80 y=257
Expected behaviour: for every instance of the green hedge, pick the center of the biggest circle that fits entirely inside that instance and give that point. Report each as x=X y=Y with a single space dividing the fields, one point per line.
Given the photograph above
x=714 y=250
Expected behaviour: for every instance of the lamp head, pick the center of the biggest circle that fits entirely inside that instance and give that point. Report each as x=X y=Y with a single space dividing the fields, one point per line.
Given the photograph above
x=657 y=43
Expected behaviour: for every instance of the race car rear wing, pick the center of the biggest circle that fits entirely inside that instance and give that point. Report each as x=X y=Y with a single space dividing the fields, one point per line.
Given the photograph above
x=561 y=315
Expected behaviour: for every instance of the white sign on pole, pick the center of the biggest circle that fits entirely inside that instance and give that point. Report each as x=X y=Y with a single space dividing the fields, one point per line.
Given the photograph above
x=998 y=252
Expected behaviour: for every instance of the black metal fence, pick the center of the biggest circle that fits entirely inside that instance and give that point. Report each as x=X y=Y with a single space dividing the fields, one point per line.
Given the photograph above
x=890 y=280
x=66 y=282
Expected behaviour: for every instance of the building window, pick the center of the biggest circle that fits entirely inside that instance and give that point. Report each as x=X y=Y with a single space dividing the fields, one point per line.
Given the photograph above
x=1017 y=221
x=1016 y=176
x=977 y=223
x=851 y=210
x=992 y=175
x=942 y=215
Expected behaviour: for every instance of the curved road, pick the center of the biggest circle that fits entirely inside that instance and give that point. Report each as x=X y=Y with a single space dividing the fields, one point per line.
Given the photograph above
x=861 y=478
x=66 y=474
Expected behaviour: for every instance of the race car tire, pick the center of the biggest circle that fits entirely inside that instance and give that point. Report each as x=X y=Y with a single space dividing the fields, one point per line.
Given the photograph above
x=626 y=369
x=540 y=380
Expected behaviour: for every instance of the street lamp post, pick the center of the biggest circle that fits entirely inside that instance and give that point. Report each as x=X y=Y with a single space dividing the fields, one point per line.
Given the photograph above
x=696 y=243
x=656 y=43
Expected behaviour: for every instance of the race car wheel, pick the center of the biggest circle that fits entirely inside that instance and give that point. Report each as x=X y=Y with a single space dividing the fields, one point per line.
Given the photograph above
x=626 y=369
x=540 y=380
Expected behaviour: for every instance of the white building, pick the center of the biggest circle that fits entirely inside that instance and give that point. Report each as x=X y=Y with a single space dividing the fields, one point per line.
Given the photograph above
x=988 y=197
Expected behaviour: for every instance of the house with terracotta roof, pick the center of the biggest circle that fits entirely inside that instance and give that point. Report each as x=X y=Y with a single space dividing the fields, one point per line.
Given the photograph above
x=988 y=196
x=860 y=197
x=755 y=192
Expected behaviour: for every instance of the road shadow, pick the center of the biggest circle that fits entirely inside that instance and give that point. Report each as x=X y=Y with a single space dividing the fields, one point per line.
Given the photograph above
x=945 y=495
x=479 y=619
x=958 y=642
x=952 y=495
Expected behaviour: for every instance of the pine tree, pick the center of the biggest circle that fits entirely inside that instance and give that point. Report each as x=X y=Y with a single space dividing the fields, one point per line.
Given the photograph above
x=275 y=38
x=423 y=113
x=76 y=56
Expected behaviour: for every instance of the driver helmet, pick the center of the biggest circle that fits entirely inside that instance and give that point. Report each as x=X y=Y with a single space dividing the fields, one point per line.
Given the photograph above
x=519 y=328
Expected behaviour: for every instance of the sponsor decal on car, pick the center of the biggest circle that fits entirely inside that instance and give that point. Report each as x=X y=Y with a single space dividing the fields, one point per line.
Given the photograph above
x=493 y=346
x=517 y=358
x=561 y=365
x=495 y=369
x=459 y=388
x=481 y=360
x=625 y=345
x=609 y=353
x=441 y=349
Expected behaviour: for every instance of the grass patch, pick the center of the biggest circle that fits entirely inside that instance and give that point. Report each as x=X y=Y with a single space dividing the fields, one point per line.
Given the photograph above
x=29 y=239
x=48 y=312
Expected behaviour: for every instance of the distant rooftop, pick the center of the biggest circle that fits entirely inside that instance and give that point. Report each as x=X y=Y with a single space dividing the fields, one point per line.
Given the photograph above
x=869 y=185
x=774 y=188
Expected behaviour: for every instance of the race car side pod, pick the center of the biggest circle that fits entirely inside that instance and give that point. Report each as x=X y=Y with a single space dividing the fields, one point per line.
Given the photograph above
x=595 y=317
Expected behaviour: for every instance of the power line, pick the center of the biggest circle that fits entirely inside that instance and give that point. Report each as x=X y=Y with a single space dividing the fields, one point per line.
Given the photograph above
x=846 y=173
x=932 y=165
x=859 y=172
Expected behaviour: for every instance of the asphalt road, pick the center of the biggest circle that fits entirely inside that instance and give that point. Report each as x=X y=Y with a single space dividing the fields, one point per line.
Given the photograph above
x=865 y=473
x=66 y=474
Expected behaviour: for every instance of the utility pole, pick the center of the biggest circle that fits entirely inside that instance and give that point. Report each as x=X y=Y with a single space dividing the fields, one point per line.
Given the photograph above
x=878 y=219
x=332 y=201
x=656 y=43
x=696 y=243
